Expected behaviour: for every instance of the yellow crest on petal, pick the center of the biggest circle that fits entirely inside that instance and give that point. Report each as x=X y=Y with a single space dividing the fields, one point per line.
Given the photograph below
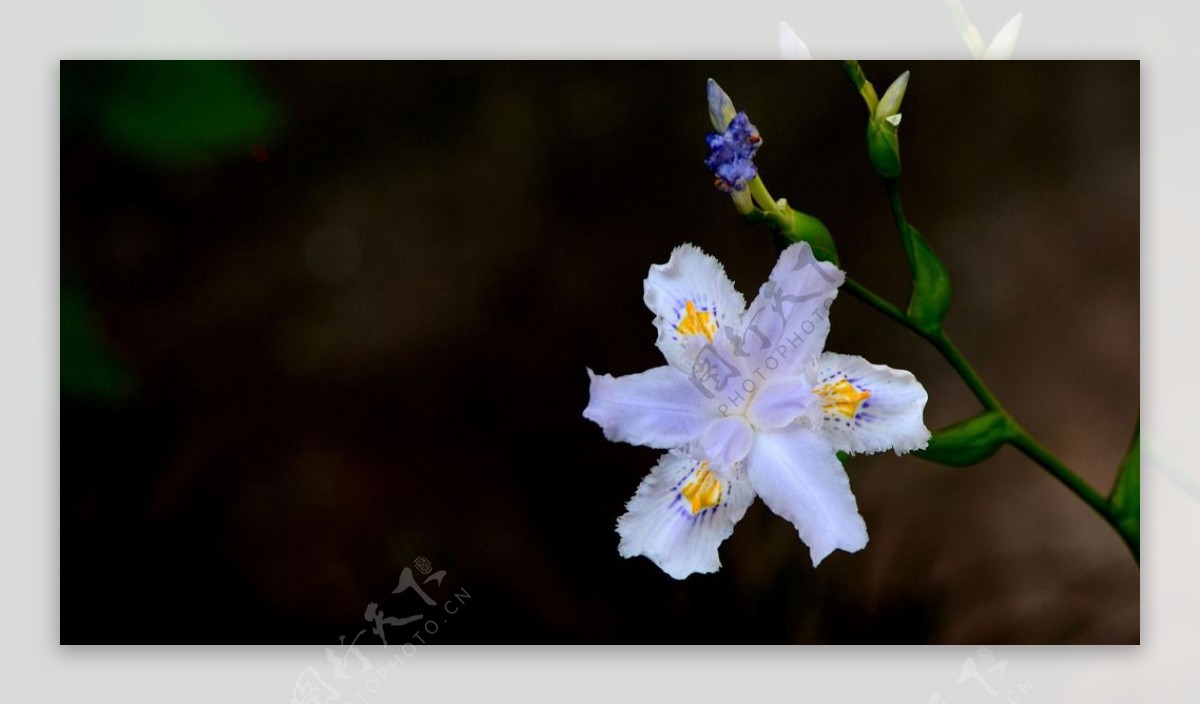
x=703 y=489
x=696 y=322
x=841 y=397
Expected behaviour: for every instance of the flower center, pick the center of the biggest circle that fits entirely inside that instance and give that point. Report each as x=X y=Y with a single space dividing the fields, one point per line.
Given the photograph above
x=697 y=323
x=703 y=490
x=841 y=397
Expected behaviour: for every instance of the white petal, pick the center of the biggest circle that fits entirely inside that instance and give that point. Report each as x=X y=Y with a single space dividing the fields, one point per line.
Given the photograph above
x=661 y=525
x=783 y=400
x=659 y=408
x=784 y=330
x=693 y=301
x=1004 y=41
x=726 y=441
x=890 y=416
x=790 y=44
x=799 y=477
x=889 y=104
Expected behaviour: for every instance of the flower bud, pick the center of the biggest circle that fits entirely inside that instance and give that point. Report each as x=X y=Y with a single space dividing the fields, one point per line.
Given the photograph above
x=720 y=107
x=883 y=142
x=732 y=146
x=889 y=104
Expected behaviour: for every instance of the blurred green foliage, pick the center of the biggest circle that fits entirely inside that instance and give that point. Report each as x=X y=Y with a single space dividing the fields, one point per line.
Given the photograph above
x=171 y=113
x=87 y=369
x=162 y=114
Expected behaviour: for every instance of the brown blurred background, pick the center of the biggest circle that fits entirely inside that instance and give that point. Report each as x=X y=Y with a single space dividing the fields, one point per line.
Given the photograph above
x=322 y=319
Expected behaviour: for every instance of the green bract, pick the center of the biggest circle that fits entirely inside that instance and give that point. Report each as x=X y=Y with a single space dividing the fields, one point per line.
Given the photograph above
x=969 y=442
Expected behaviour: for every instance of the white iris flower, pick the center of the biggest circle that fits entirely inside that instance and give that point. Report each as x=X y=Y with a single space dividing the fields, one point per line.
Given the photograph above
x=749 y=405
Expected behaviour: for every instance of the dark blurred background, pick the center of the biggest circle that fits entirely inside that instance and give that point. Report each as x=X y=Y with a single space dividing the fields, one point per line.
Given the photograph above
x=320 y=320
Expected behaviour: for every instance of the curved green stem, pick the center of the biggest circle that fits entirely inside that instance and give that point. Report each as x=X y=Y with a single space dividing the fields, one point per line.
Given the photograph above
x=937 y=336
x=758 y=191
x=1038 y=453
x=964 y=369
x=927 y=307
x=879 y=303
x=939 y=340
x=892 y=186
x=1019 y=438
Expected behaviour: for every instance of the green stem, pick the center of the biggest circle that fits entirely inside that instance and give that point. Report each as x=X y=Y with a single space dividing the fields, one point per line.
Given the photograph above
x=933 y=332
x=938 y=337
x=893 y=193
x=1038 y=453
x=758 y=191
x=956 y=359
x=880 y=304
x=940 y=340
x=1019 y=438
x=861 y=84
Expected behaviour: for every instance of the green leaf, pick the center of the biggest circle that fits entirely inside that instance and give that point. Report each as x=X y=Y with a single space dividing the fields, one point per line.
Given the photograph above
x=930 y=296
x=1125 y=497
x=968 y=442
